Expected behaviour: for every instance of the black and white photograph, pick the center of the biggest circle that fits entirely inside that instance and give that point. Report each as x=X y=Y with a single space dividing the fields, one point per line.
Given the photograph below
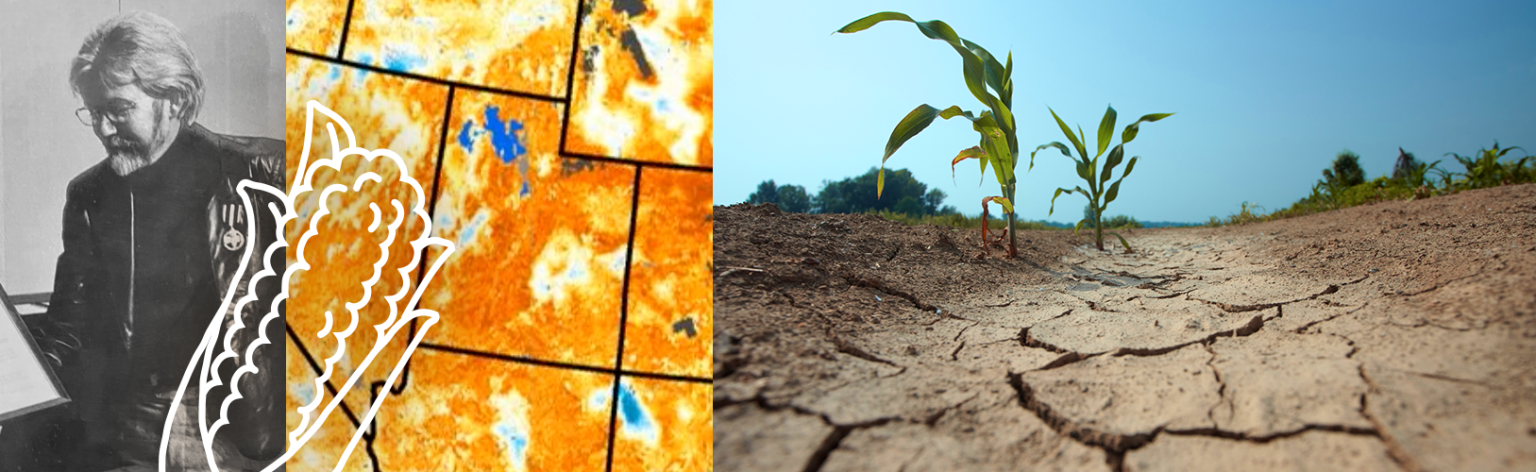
x=125 y=128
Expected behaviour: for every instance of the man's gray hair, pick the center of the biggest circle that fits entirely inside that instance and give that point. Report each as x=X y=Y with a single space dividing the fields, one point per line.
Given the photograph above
x=143 y=48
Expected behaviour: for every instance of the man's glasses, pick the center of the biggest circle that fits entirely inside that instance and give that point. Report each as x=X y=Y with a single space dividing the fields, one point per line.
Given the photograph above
x=115 y=114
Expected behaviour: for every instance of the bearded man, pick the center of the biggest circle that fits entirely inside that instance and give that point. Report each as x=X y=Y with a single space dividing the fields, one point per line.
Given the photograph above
x=153 y=237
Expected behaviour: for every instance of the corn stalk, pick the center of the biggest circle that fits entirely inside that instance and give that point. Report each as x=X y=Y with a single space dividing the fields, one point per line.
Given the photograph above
x=999 y=144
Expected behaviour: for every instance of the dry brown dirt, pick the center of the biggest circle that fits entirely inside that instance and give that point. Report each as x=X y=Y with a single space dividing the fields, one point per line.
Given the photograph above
x=1394 y=336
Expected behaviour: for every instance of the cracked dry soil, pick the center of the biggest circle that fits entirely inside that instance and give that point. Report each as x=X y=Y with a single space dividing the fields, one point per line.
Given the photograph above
x=1394 y=336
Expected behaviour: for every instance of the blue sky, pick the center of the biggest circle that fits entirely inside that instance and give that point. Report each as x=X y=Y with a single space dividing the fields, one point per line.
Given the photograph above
x=1266 y=93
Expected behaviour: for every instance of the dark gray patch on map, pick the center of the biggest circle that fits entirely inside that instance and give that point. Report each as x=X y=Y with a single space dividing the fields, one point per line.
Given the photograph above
x=685 y=325
x=631 y=43
x=632 y=8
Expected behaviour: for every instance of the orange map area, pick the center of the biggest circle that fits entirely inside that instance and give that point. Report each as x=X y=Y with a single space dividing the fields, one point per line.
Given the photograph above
x=565 y=148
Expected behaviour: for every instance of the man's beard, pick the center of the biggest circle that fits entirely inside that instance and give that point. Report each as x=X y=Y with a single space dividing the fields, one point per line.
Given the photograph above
x=128 y=156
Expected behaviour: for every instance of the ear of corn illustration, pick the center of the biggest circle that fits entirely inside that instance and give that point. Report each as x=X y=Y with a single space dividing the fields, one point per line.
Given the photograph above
x=236 y=340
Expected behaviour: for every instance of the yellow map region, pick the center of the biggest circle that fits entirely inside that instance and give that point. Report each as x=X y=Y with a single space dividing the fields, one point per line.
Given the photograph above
x=564 y=147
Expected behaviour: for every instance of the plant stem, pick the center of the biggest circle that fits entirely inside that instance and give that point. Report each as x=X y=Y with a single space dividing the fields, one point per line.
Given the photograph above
x=1098 y=226
x=1011 y=251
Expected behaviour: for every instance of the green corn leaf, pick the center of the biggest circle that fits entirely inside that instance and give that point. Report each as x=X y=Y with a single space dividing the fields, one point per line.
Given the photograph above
x=974 y=69
x=1007 y=205
x=1060 y=191
x=1082 y=170
x=969 y=153
x=995 y=73
x=953 y=111
x=1057 y=145
x=1115 y=155
x=1084 y=137
x=996 y=145
x=1128 y=167
x=1131 y=129
x=1008 y=69
x=1114 y=191
x=1122 y=242
x=915 y=122
x=1106 y=130
x=908 y=127
x=865 y=23
x=1076 y=143
x=1079 y=226
x=1007 y=92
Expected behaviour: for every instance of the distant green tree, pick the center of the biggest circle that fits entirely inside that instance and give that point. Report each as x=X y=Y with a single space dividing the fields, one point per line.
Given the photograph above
x=790 y=198
x=1121 y=222
x=766 y=192
x=857 y=194
x=909 y=205
x=793 y=199
x=1346 y=171
x=932 y=200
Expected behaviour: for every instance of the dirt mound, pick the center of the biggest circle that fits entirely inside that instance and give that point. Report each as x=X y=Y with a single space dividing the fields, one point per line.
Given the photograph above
x=1400 y=335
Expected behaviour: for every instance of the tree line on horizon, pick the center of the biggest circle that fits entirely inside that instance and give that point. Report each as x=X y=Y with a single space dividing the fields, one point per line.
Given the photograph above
x=903 y=194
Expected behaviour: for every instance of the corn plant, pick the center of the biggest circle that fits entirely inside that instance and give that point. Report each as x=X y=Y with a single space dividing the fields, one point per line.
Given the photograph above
x=998 y=146
x=1098 y=196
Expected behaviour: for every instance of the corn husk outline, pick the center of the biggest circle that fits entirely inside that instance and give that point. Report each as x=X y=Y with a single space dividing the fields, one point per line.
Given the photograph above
x=387 y=330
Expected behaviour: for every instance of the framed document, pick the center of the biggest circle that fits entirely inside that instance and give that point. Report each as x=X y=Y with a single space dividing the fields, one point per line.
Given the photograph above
x=27 y=383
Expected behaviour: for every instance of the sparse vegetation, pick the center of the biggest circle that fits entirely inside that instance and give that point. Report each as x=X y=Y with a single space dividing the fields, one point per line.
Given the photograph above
x=959 y=221
x=1410 y=180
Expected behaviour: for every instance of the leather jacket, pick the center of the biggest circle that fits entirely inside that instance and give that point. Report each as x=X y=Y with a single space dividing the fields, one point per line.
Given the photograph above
x=91 y=329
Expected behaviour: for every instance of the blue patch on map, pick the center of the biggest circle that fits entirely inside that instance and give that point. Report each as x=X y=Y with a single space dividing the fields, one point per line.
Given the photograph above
x=466 y=139
x=524 y=192
x=366 y=59
x=516 y=442
x=468 y=235
x=402 y=61
x=504 y=135
x=635 y=417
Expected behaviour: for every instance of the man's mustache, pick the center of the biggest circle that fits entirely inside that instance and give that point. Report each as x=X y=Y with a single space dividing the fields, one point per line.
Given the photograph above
x=120 y=144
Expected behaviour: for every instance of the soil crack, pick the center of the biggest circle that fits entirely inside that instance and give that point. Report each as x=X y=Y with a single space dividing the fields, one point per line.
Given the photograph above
x=1395 y=450
x=1245 y=308
x=848 y=348
x=861 y=280
x=1253 y=326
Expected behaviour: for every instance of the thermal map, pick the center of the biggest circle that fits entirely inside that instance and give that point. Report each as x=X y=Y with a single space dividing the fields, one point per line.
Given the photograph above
x=565 y=149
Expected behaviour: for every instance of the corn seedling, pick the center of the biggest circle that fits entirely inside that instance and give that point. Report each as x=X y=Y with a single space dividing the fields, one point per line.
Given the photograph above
x=1098 y=196
x=999 y=145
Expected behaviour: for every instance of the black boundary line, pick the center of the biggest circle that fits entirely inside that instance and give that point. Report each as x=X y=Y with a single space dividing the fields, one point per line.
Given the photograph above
x=437 y=177
x=346 y=25
x=618 y=360
x=570 y=74
x=558 y=365
x=621 y=160
x=318 y=371
x=421 y=273
x=423 y=78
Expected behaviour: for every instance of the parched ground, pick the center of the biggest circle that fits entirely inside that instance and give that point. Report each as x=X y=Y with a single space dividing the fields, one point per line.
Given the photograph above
x=1395 y=336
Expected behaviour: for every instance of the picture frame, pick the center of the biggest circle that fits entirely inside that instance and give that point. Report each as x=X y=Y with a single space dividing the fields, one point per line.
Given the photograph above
x=27 y=383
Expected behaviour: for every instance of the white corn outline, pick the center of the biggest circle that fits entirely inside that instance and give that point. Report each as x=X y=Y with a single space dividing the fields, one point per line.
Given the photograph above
x=206 y=365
